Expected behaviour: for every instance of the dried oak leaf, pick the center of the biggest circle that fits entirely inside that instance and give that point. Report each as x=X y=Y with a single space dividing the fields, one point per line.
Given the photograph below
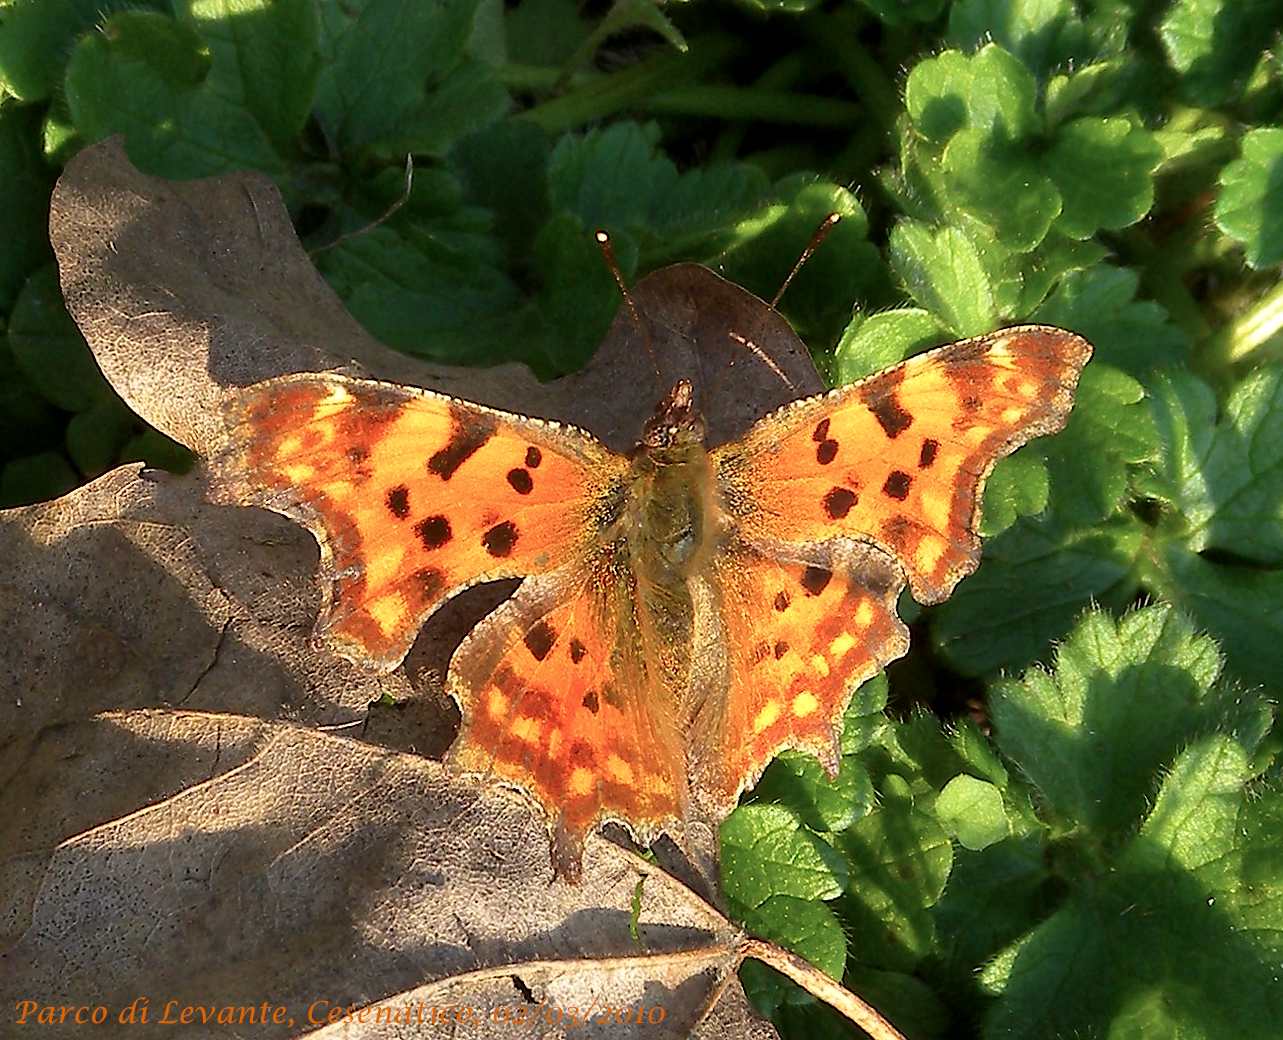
x=190 y=855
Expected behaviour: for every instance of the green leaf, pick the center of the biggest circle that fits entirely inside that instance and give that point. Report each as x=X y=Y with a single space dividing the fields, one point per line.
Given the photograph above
x=544 y=32
x=1104 y=169
x=1002 y=187
x=1035 y=579
x=946 y=273
x=1085 y=90
x=1019 y=486
x=767 y=851
x=96 y=436
x=1241 y=606
x=35 y=478
x=49 y=348
x=864 y=719
x=1123 y=699
x=971 y=810
x=1248 y=206
x=151 y=78
x=36 y=37
x=797 y=780
x=489 y=162
x=1099 y=303
x=1044 y=34
x=1110 y=431
x=1214 y=44
x=24 y=200
x=264 y=57
x=901 y=859
x=1224 y=474
x=382 y=59
x=1178 y=938
x=991 y=92
x=810 y=929
x=877 y=341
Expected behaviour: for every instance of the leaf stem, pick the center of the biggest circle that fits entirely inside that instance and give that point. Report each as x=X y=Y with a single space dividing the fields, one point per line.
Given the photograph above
x=755 y=104
x=1259 y=326
x=600 y=96
x=823 y=987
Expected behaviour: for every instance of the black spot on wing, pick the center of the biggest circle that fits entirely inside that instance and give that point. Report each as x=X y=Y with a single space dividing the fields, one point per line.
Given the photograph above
x=469 y=431
x=500 y=539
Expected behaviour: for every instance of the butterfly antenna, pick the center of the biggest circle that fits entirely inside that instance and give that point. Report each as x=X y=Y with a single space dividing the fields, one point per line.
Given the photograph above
x=400 y=201
x=612 y=264
x=764 y=358
x=817 y=239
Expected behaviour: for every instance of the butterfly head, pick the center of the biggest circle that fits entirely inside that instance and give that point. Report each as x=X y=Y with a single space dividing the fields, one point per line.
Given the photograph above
x=676 y=424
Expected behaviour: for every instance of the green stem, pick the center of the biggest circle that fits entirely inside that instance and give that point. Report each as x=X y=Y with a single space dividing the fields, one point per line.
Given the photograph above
x=1259 y=326
x=780 y=76
x=601 y=96
x=877 y=93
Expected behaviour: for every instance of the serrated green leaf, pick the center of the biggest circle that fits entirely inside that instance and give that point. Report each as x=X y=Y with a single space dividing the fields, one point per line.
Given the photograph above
x=264 y=58
x=1036 y=578
x=808 y=928
x=1099 y=303
x=489 y=162
x=148 y=76
x=544 y=32
x=971 y=810
x=1104 y=170
x=1081 y=91
x=1224 y=475
x=877 y=341
x=1110 y=431
x=990 y=92
x=36 y=37
x=1214 y=44
x=577 y=295
x=899 y=859
x=1174 y=940
x=1054 y=259
x=1043 y=34
x=1122 y=699
x=799 y=781
x=1249 y=206
x=49 y=348
x=381 y=61
x=1001 y=187
x=24 y=195
x=767 y=851
x=1241 y=606
x=946 y=273
x=1019 y=486
x=864 y=718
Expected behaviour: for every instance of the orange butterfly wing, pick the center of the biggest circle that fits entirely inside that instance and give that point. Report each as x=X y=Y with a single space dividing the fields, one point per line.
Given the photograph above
x=834 y=501
x=900 y=459
x=800 y=630
x=413 y=496
x=560 y=698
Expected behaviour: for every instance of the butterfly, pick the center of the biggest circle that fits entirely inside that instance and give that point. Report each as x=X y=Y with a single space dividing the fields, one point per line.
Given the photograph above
x=685 y=612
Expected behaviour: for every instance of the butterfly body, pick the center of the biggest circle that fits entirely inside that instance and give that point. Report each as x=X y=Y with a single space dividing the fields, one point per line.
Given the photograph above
x=686 y=611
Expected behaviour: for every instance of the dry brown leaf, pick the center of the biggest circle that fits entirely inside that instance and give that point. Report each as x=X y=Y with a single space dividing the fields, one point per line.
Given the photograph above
x=241 y=852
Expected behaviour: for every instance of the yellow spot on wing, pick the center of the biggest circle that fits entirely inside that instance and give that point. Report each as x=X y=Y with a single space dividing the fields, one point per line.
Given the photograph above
x=581 y=781
x=554 y=743
x=769 y=713
x=863 y=615
x=619 y=770
x=936 y=507
x=804 y=704
x=388 y=611
x=496 y=704
x=820 y=665
x=526 y=729
x=928 y=554
x=299 y=473
x=1010 y=415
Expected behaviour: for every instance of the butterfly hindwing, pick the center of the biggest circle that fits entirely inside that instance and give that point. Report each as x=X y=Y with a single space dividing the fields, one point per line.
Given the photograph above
x=413 y=495
x=558 y=700
x=800 y=631
x=900 y=458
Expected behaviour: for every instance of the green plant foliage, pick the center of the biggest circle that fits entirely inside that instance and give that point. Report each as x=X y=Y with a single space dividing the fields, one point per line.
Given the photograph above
x=1060 y=815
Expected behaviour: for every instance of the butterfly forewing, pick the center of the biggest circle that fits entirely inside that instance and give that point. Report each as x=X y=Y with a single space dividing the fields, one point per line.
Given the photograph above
x=413 y=495
x=899 y=459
